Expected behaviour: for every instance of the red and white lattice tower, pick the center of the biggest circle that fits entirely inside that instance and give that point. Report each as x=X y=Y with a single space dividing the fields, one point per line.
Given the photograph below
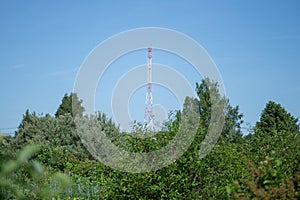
x=149 y=117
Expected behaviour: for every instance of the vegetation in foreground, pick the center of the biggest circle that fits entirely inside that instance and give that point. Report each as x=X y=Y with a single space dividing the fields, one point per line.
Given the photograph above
x=46 y=158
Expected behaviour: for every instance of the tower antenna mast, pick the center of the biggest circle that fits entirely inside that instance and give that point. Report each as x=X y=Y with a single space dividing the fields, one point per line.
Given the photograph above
x=149 y=117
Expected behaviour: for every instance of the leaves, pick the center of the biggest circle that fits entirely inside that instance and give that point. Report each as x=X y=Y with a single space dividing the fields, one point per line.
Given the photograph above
x=70 y=105
x=275 y=118
x=48 y=159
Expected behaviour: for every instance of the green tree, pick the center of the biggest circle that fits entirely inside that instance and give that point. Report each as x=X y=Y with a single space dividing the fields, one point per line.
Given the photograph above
x=232 y=127
x=233 y=119
x=275 y=118
x=22 y=177
x=273 y=153
x=59 y=131
x=111 y=130
x=203 y=91
x=276 y=132
x=70 y=104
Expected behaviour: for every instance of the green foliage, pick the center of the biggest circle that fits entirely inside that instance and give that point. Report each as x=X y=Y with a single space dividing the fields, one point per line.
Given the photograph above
x=24 y=178
x=108 y=126
x=208 y=92
x=204 y=91
x=268 y=181
x=262 y=165
x=172 y=124
x=232 y=127
x=273 y=157
x=60 y=131
x=281 y=137
x=275 y=117
x=70 y=105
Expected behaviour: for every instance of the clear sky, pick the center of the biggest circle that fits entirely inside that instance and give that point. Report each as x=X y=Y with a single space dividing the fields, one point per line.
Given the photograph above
x=255 y=44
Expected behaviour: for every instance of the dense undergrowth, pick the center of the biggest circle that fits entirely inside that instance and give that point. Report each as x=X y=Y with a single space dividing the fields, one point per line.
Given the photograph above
x=46 y=158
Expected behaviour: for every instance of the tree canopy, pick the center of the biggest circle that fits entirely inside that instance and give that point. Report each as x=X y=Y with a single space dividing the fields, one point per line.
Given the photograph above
x=47 y=158
x=275 y=118
x=233 y=118
x=70 y=104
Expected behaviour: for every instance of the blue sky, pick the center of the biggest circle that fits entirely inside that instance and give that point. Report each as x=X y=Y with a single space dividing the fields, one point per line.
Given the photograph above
x=255 y=45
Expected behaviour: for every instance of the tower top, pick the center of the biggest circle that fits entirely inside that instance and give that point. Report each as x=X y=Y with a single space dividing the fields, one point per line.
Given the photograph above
x=150 y=52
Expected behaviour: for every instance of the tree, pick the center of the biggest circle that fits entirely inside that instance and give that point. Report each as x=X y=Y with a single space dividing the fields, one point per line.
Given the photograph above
x=70 y=104
x=190 y=105
x=273 y=151
x=275 y=118
x=276 y=133
x=108 y=126
x=49 y=131
x=203 y=91
x=233 y=119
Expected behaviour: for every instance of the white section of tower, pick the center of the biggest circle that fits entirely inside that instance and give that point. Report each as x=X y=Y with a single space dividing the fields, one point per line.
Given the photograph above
x=149 y=117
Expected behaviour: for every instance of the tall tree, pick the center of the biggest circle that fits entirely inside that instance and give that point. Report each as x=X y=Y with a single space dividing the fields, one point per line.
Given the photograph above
x=233 y=119
x=70 y=104
x=275 y=118
x=203 y=91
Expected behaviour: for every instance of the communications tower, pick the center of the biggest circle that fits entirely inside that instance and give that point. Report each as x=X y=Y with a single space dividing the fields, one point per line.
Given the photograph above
x=149 y=117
